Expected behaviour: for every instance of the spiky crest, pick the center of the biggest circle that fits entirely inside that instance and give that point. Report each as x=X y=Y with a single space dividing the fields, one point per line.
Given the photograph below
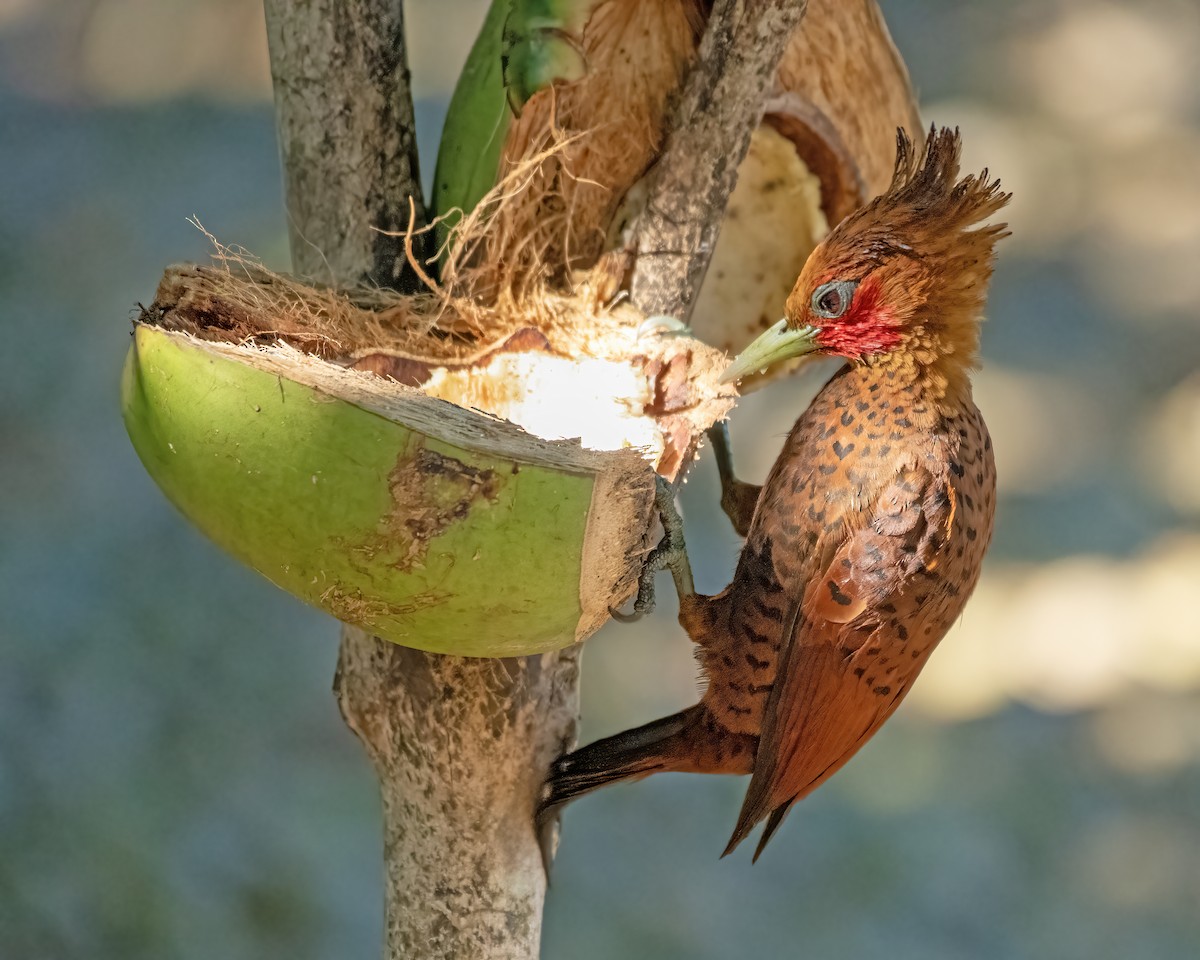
x=922 y=265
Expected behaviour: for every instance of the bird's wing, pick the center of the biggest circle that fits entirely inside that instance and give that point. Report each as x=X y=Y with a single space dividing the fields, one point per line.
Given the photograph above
x=832 y=691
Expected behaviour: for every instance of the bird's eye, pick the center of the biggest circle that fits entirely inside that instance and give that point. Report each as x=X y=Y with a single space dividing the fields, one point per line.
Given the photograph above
x=832 y=300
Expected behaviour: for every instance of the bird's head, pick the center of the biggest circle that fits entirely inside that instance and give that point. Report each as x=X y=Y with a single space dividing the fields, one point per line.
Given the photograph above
x=901 y=281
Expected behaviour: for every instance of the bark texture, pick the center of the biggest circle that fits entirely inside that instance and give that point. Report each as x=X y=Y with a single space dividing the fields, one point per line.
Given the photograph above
x=721 y=105
x=347 y=136
x=460 y=745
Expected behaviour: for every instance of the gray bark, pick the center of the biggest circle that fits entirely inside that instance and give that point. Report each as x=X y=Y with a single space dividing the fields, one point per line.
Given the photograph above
x=721 y=104
x=347 y=136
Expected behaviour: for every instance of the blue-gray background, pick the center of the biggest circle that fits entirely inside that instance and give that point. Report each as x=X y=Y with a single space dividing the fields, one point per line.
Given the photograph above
x=174 y=778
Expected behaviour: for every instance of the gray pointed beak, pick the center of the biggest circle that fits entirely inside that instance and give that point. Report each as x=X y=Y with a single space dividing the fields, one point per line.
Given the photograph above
x=777 y=343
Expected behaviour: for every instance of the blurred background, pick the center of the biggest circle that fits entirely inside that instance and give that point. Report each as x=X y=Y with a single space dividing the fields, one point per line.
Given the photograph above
x=174 y=778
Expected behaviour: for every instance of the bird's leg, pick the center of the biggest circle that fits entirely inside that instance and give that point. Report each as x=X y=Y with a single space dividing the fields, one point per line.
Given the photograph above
x=738 y=499
x=669 y=554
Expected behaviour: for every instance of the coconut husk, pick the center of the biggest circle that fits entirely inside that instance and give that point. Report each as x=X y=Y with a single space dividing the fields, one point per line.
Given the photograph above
x=592 y=139
x=516 y=359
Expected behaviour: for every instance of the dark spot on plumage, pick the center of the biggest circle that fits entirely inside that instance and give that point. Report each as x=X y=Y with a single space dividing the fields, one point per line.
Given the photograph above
x=753 y=635
x=872 y=651
x=969 y=501
x=888 y=608
x=865 y=451
x=871 y=415
x=861 y=405
x=859 y=671
x=727 y=660
x=766 y=611
x=835 y=593
x=882 y=691
x=915 y=654
x=873 y=387
x=841 y=450
x=959 y=552
x=755 y=663
x=956 y=468
x=987 y=443
x=894 y=435
x=891 y=374
x=903 y=422
x=902 y=632
x=738 y=711
x=858 y=430
x=814 y=515
x=897 y=409
x=979 y=478
x=813 y=538
x=921 y=598
x=847 y=418
x=824 y=433
x=827 y=469
x=734 y=686
x=971 y=533
x=757 y=689
x=885 y=449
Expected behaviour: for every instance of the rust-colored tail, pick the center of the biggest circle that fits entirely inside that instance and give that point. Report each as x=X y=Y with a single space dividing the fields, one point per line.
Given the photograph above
x=653 y=747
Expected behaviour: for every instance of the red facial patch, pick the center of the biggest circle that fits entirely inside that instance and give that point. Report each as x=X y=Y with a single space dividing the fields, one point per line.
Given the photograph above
x=867 y=327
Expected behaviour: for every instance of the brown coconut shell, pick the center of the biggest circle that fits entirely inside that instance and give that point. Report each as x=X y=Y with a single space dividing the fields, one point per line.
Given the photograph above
x=577 y=148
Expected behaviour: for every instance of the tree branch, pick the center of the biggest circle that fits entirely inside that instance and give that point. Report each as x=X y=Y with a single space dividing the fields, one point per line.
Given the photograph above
x=346 y=132
x=720 y=106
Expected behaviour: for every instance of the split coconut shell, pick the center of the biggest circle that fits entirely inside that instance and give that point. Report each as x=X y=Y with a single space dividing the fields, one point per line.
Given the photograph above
x=424 y=514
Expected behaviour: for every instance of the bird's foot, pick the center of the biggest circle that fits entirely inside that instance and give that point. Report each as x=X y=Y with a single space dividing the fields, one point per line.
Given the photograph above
x=660 y=325
x=669 y=554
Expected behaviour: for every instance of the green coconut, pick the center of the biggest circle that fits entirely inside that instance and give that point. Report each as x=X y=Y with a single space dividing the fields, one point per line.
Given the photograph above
x=425 y=523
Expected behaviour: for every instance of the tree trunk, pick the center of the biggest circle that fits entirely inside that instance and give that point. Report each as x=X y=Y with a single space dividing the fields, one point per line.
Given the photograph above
x=460 y=745
x=721 y=104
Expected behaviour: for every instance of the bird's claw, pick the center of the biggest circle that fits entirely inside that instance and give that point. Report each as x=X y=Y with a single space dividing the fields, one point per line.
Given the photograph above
x=661 y=325
x=669 y=554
